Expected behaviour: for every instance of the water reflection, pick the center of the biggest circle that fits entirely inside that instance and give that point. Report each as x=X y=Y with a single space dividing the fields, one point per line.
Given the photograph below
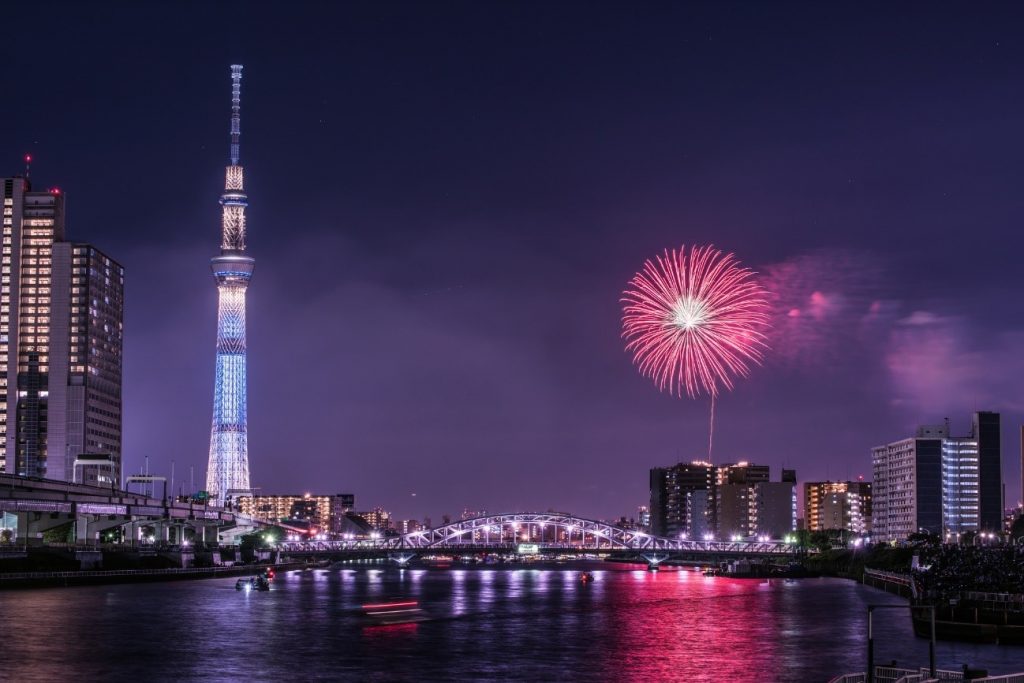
x=530 y=624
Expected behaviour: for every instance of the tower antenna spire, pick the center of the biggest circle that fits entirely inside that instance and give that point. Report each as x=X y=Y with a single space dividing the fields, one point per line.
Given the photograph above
x=236 y=111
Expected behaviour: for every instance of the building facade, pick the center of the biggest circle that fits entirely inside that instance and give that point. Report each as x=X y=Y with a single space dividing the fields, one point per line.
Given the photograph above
x=835 y=505
x=985 y=427
x=937 y=483
x=61 y=345
x=324 y=513
x=378 y=519
x=675 y=510
x=773 y=512
x=960 y=486
x=907 y=485
x=87 y=343
x=699 y=500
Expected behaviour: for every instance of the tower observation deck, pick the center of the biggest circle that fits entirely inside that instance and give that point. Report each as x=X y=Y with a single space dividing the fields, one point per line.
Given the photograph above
x=228 y=469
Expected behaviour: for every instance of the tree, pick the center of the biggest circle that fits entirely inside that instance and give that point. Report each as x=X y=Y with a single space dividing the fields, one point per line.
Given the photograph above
x=1017 y=528
x=924 y=538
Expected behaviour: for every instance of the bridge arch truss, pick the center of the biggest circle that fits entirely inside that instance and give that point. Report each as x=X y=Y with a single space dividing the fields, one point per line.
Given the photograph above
x=548 y=530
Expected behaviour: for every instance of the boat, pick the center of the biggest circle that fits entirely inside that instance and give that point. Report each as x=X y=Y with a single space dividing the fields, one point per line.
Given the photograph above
x=586 y=577
x=391 y=613
x=253 y=583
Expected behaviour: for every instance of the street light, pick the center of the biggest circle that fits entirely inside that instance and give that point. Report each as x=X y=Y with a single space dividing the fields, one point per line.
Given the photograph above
x=871 y=637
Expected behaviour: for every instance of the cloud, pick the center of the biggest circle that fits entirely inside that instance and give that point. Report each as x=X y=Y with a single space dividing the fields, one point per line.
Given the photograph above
x=821 y=300
x=926 y=359
x=942 y=364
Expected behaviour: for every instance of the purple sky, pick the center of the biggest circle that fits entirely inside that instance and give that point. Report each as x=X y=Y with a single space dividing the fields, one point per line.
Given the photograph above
x=447 y=200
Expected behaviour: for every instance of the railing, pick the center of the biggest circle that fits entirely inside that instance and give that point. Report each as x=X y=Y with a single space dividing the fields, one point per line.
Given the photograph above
x=1009 y=678
x=891 y=674
x=1009 y=599
x=894 y=577
x=125 y=572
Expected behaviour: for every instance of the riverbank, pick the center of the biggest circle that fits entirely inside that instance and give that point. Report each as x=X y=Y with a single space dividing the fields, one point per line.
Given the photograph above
x=851 y=563
x=24 y=580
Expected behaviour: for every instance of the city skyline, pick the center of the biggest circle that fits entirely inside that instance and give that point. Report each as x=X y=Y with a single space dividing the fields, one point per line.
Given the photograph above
x=444 y=291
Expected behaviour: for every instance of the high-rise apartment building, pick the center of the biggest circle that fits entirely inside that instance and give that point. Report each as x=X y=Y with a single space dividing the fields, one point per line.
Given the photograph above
x=643 y=517
x=61 y=341
x=938 y=483
x=87 y=344
x=325 y=513
x=833 y=505
x=749 y=504
x=773 y=509
x=698 y=499
x=907 y=485
x=378 y=518
x=680 y=497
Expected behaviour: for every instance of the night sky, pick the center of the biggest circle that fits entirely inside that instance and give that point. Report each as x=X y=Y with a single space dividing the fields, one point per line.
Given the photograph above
x=446 y=201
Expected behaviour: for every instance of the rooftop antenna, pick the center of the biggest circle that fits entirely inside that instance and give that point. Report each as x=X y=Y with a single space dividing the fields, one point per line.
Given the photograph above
x=236 y=109
x=28 y=165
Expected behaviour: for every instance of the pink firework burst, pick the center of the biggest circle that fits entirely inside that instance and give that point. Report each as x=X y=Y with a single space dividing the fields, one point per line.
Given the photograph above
x=694 y=319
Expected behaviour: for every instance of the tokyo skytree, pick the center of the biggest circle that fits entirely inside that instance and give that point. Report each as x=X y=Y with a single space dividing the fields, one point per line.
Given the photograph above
x=228 y=469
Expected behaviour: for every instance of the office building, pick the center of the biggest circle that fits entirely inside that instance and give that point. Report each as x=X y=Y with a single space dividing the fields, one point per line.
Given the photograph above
x=61 y=345
x=835 y=505
x=985 y=428
x=960 y=486
x=972 y=489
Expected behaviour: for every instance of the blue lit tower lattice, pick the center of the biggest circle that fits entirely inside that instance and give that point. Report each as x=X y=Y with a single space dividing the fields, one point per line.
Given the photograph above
x=228 y=469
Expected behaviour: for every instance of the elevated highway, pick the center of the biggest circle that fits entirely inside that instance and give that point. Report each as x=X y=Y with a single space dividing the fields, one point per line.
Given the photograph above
x=37 y=505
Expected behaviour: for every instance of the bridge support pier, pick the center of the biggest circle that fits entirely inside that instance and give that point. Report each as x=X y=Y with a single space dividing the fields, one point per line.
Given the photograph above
x=401 y=559
x=653 y=560
x=32 y=525
x=95 y=526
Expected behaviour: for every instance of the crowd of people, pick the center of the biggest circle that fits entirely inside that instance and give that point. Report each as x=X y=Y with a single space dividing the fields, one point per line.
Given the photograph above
x=948 y=570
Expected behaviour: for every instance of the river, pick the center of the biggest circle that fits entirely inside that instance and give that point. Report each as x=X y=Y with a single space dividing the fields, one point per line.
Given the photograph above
x=484 y=624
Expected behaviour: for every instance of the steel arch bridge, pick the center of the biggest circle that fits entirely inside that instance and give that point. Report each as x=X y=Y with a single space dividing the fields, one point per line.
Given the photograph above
x=548 y=530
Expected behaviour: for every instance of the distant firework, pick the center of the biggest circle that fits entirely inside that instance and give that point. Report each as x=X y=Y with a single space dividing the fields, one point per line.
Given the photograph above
x=693 y=320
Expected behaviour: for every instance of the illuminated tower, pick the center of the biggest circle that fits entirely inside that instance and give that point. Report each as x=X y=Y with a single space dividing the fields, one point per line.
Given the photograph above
x=228 y=469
